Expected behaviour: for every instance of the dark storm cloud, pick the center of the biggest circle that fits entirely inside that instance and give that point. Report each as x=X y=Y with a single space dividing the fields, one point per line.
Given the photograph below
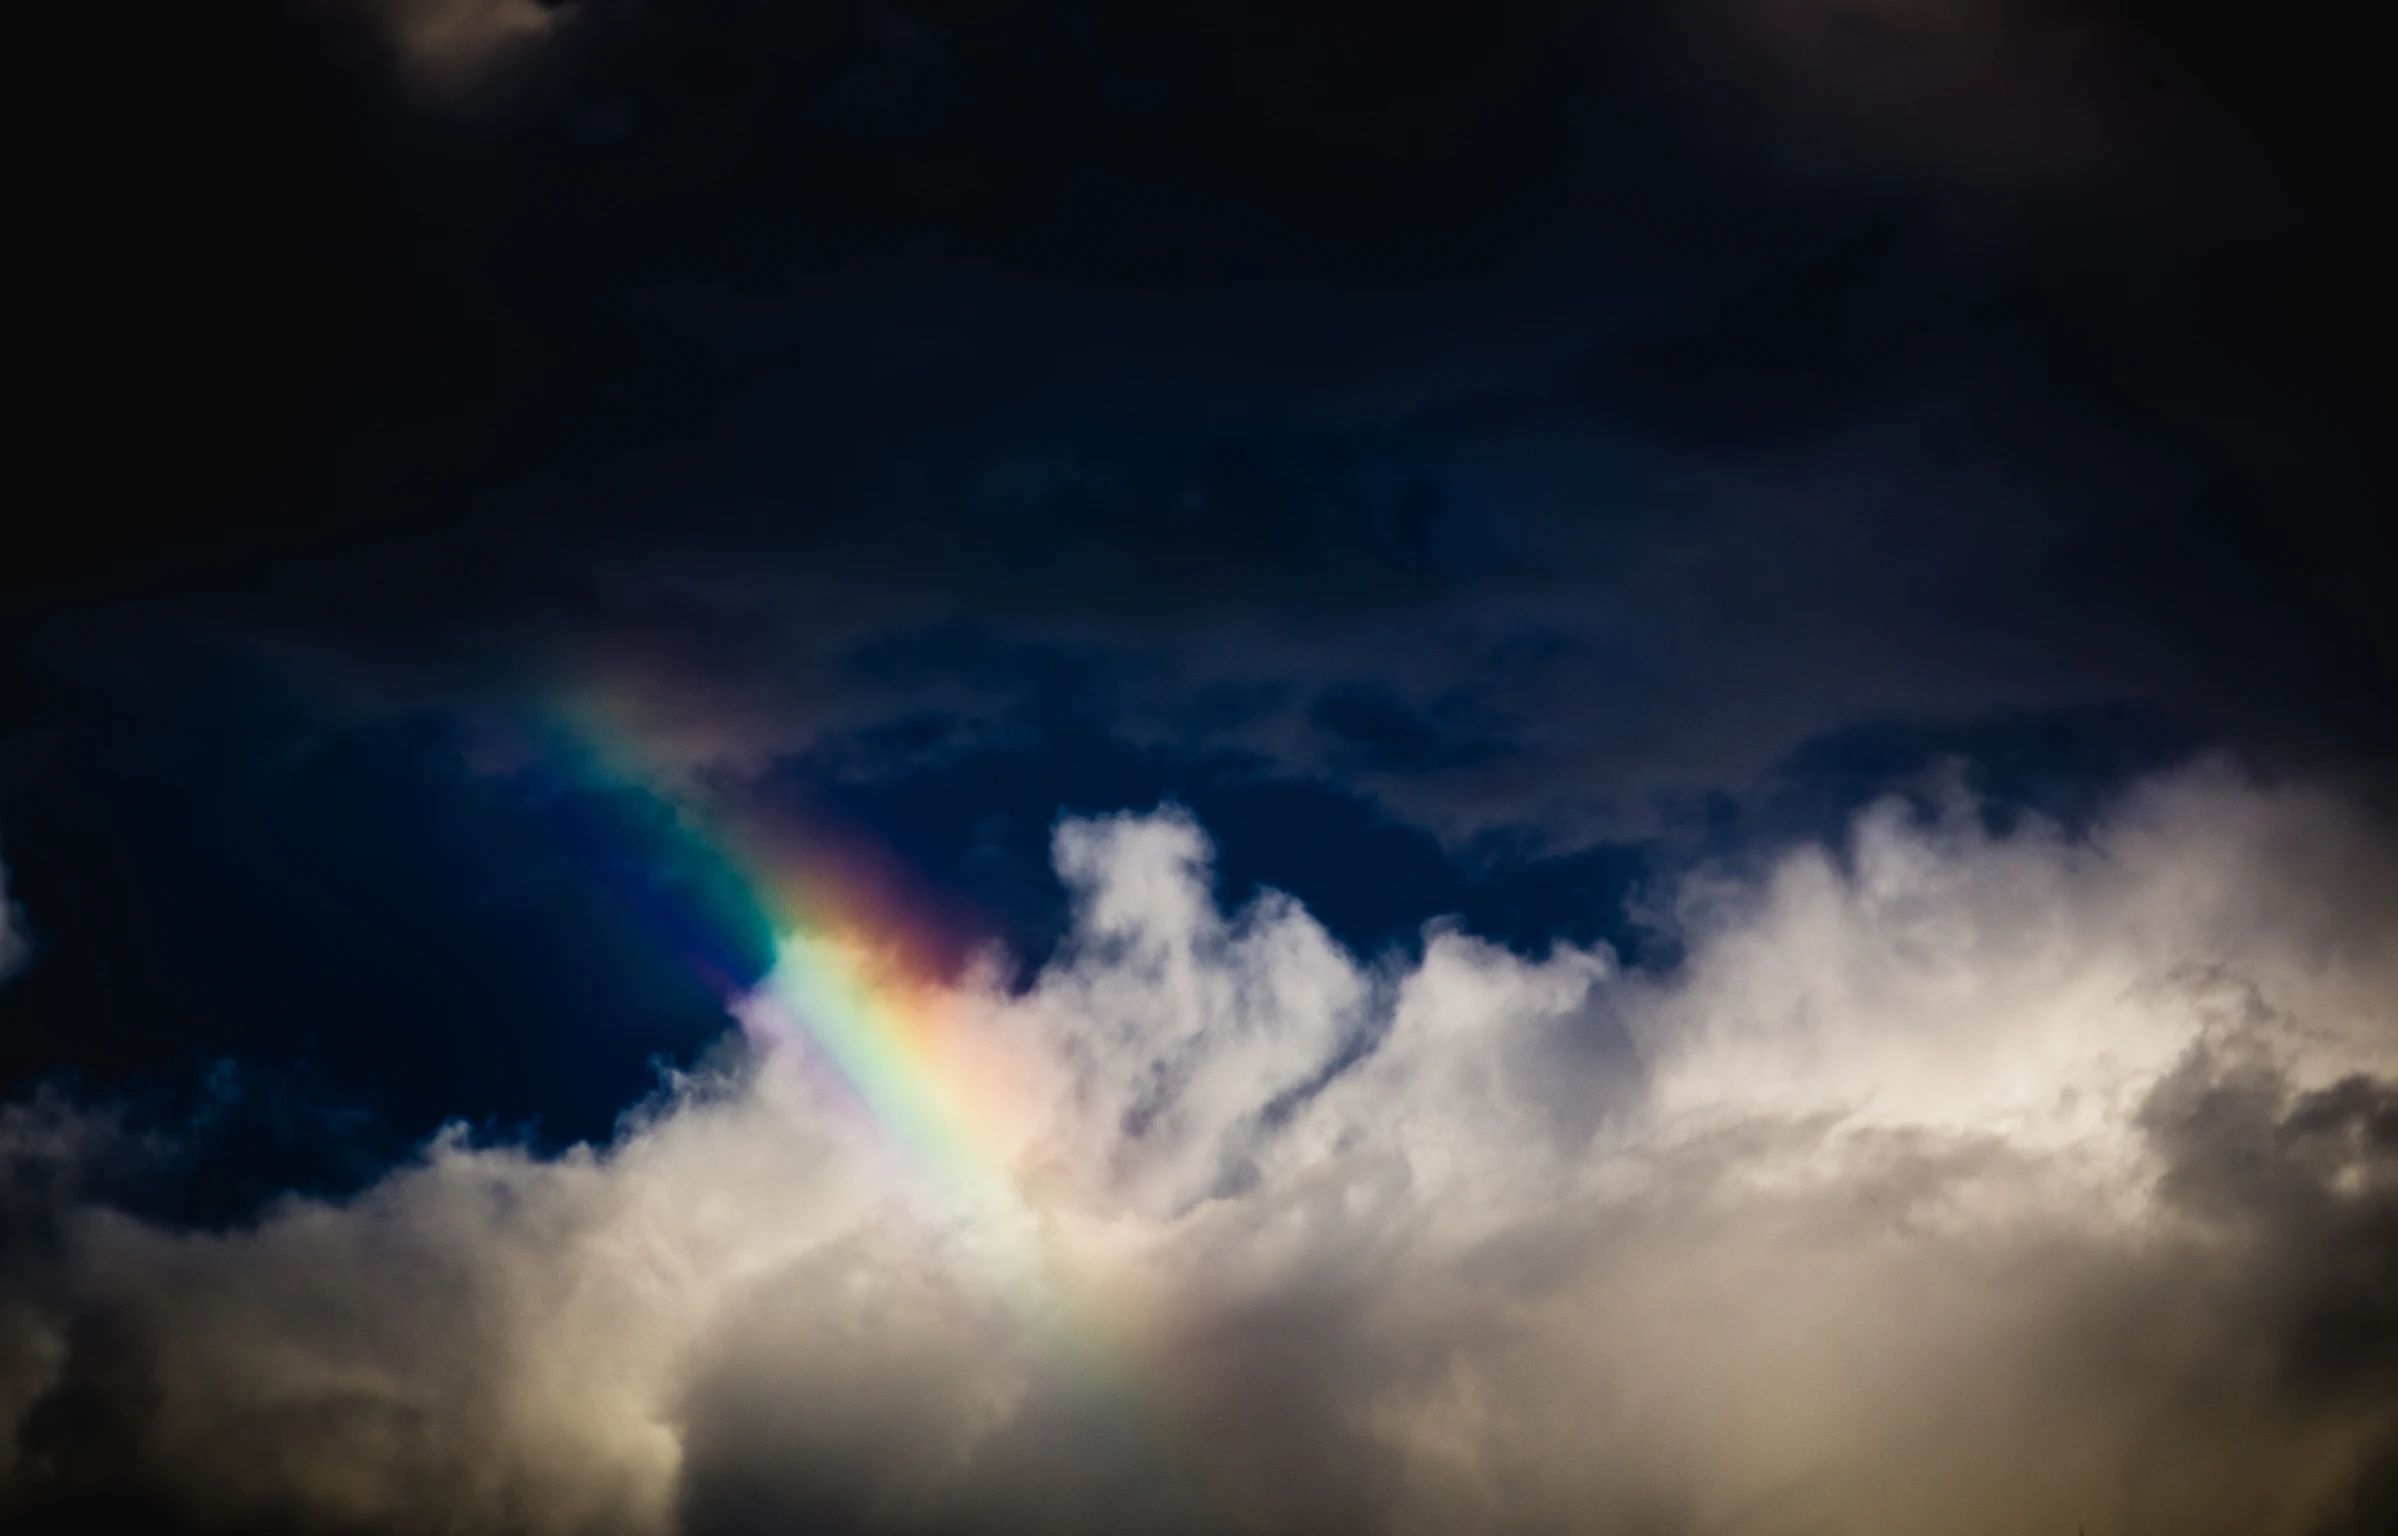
x=13 y=939
x=2307 y=1177
x=1516 y=367
x=1976 y=1181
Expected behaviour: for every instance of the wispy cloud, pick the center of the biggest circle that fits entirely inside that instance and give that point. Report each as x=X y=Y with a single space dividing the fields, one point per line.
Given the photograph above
x=447 y=45
x=1954 y=1181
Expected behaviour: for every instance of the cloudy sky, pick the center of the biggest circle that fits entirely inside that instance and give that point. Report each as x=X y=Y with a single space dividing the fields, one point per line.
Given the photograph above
x=1158 y=766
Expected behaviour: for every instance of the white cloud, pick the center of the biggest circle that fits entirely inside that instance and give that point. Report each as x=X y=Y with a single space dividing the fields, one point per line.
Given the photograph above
x=1954 y=1182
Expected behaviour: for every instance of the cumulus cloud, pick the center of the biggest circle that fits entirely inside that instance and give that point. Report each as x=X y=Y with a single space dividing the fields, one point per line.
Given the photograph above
x=1952 y=1181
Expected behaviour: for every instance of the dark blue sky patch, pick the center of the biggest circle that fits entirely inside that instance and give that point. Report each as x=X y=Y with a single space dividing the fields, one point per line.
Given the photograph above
x=2065 y=767
x=971 y=830
x=349 y=913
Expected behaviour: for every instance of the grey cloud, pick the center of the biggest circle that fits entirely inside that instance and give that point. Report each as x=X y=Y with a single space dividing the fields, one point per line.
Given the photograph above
x=1953 y=1181
x=2008 y=103
x=2307 y=1182
x=447 y=46
x=1763 y=462
x=14 y=940
x=1751 y=464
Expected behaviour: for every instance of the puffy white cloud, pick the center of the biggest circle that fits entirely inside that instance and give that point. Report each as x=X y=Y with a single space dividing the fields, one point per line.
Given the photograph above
x=1953 y=1181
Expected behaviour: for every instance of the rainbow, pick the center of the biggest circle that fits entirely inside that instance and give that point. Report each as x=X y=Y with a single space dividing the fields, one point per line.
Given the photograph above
x=813 y=955
x=888 y=1048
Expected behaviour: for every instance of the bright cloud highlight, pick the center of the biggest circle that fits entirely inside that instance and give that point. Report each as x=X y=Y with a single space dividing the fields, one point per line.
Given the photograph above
x=1953 y=1181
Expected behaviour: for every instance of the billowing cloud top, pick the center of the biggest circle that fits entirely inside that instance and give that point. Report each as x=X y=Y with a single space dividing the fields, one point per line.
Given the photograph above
x=1952 y=1181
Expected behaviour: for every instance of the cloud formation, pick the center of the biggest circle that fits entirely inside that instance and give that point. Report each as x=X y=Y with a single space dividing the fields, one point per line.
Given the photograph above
x=1951 y=1181
x=1522 y=414
x=445 y=45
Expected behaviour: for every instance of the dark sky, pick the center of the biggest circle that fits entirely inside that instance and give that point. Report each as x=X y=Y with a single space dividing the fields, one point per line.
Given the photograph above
x=1511 y=467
